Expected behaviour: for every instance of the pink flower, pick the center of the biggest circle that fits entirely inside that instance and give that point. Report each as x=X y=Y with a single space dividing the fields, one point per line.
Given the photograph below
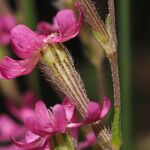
x=27 y=45
x=7 y=22
x=94 y=113
x=65 y=26
x=45 y=123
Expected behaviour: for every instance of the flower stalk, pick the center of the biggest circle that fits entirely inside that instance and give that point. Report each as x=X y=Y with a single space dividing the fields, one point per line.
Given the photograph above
x=106 y=36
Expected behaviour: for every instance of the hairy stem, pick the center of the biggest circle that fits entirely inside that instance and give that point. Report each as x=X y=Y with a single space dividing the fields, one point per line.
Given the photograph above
x=116 y=126
x=113 y=60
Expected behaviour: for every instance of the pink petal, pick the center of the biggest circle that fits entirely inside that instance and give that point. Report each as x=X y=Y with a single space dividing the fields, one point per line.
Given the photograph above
x=67 y=28
x=60 y=120
x=43 y=114
x=9 y=128
x=30 y=137
x=46 y=28
x=90 y=139
x=26 y=43
x=25 y=113
x=35 y=145
x=33 y=125
x=69 y=108
x=9 y=22
x=5 y=38
x=93 y=112
x=106 y=107
x=10 y=68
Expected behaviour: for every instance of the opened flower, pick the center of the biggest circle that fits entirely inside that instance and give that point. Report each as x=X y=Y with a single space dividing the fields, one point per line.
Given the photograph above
x=65 y=26
x=28 y=45
x=45 y=122
x=43 y=125
x=7 y=22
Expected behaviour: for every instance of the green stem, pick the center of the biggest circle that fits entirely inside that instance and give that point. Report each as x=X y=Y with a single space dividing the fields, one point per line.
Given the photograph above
x=27 y=14
x=116 y=125
x=125 y=62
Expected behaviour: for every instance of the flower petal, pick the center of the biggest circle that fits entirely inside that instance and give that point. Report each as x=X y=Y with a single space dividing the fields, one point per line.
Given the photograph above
x=25 y=42
x=36 y=144
x=10 y=68
x=106 y=106
x=33 y=125
x=9 y=128
x=46 y=28
x=30 y=137
x=69 y=108
x=67 y=28
x=43 y=114
x=60 y=120
x=7 y=22
x=5 y=38
x=93 y=112
x=90 y=139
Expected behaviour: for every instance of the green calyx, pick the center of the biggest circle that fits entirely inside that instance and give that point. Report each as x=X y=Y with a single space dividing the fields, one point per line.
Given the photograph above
x=52 y=54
